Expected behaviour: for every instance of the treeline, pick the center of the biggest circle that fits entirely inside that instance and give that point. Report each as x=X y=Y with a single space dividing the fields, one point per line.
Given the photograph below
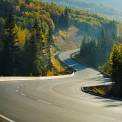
x=23 y=58
x=114 y=68
x=26 y=34
x=96 y=31
x=26 y=29
x=95 y=51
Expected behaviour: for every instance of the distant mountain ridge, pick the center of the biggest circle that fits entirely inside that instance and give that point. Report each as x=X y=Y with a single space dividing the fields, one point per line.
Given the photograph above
x=90 y=6
x=116 y=4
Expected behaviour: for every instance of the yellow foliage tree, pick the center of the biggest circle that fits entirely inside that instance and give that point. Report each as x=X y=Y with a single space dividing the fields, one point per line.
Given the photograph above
x=22 y=35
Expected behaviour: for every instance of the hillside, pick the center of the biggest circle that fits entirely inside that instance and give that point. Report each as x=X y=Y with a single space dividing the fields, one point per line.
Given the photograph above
x=81 y=24
x=26 y=29
x=29 y=30
x=99 y=7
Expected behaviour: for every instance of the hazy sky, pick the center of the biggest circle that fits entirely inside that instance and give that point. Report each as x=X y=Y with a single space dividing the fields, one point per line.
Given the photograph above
x=116 y=4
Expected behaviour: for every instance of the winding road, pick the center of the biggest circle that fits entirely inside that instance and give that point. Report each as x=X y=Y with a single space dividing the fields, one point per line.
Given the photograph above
x=59 y=99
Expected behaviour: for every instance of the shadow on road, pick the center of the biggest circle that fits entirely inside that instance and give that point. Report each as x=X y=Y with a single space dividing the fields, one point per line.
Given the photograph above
x=110 y=102
x=71 y=63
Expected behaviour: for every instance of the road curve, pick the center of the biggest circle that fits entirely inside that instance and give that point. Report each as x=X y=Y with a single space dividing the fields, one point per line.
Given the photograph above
x=58 y=100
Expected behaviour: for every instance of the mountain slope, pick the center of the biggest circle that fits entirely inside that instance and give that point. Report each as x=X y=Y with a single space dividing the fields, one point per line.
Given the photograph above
x=93 y=6
x=116 y=4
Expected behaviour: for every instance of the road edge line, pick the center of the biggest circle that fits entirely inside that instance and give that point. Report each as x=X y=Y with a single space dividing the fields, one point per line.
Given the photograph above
x=6 y=118
x=35 y=78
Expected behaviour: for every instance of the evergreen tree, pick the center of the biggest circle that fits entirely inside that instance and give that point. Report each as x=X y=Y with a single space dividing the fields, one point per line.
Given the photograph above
x=50 y=42
x=11 y=47
x=116 y=58
x=34 y=52
x=88 y=51
x=67 y=16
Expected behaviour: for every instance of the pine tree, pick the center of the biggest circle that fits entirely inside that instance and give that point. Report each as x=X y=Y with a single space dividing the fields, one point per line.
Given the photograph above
x=116 y=58
x=67 y=16
x=11 y=47
x=50 y=42
x=36 y=64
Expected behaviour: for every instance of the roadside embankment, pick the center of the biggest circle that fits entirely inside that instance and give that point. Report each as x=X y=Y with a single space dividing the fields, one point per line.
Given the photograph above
x=100 y=90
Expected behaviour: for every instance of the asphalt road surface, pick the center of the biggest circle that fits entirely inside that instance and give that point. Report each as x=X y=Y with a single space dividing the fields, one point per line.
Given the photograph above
x=58 y=100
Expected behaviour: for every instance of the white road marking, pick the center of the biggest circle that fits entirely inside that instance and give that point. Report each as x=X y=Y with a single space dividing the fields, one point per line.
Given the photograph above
x=17 y=90
x=8 y=79
x=43 y=101
x=6 y=118
x=22 y=94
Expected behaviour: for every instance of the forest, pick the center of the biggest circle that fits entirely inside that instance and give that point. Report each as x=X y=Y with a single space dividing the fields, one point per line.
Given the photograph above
x=26 y=34
x=27 y=28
